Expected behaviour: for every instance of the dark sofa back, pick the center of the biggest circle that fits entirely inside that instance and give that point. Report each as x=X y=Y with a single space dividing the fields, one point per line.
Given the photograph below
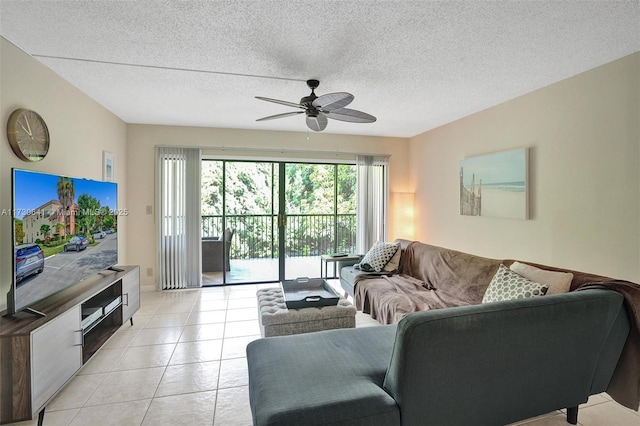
x=503 y=361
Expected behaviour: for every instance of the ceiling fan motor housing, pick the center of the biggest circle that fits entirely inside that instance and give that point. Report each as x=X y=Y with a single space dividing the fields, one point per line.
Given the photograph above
x=307 y=101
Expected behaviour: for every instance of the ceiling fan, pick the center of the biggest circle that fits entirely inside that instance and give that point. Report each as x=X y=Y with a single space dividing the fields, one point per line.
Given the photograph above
x=319 y=108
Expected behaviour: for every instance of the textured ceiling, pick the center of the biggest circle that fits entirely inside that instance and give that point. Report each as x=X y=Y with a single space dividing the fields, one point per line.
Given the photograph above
x=415 y=65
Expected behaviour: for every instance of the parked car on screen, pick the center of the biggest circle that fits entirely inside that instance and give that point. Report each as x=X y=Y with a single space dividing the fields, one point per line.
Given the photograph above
x=99 y=234
x=77 y=243
x=110 y=231
x=29 y=260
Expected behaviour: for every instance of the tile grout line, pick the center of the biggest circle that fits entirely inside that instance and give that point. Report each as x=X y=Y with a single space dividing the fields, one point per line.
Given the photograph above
x=224 y=331
x=155 y=392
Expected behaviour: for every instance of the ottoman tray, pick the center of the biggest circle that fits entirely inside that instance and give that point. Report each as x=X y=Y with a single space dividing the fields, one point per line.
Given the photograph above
x=308 y=292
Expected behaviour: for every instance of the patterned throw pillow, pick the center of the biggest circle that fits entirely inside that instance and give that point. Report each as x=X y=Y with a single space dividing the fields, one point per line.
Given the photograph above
x=379 y=255
x=507 y=285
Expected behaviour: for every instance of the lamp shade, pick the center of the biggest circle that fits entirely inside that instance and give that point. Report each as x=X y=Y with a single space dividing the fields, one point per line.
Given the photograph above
x=403 y=220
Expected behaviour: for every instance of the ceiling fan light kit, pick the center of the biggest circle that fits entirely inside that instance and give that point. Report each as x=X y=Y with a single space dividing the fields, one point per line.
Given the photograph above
x=318 y=108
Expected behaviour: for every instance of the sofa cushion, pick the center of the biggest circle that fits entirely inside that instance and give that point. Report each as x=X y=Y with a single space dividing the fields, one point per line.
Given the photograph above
x=323 y=378
x=508 y=285
x=378 y=256
x=558 y=282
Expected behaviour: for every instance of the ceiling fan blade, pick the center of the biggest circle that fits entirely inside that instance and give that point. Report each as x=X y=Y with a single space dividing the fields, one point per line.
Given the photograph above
x=318 y=123
x=333 y=101
x=278 y=101
x=285 y=114
x=351 y=115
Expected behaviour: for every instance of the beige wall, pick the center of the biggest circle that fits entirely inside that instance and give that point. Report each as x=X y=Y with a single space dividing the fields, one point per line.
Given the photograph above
x=80 y=130
x=142 y=140
x=584 y=139
x=584 y=166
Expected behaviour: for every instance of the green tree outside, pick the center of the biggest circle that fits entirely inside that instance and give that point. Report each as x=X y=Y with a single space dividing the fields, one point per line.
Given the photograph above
x=248 y=190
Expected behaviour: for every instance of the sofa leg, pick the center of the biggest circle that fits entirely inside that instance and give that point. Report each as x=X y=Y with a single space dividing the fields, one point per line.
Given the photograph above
x=572 y=415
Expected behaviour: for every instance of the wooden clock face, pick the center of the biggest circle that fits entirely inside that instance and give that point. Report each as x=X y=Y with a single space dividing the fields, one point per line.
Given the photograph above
x=28 y=135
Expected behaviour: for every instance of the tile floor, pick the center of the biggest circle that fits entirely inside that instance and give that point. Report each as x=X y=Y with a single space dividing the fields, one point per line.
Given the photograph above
x=183 y=363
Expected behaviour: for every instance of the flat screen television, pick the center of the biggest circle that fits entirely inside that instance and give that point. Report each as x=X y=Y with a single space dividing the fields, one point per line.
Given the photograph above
x=65 y=229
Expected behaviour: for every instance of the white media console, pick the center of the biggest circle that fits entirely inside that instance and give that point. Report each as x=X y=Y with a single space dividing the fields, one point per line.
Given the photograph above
x=40 y=355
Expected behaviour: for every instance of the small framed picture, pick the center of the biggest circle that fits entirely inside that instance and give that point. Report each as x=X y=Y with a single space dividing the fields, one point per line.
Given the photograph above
x=107 y=166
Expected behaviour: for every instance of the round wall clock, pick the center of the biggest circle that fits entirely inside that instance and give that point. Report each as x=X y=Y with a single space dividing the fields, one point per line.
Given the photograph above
x=28 y=135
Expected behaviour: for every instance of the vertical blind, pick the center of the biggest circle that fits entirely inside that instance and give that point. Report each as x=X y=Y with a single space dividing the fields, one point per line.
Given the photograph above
x=178 y=192
x=373 y=199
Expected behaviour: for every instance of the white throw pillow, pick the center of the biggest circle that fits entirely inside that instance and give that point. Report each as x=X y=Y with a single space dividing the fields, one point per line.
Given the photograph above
x=378 y=256
x=507 y=285
x=558 y=282
x=394 y=263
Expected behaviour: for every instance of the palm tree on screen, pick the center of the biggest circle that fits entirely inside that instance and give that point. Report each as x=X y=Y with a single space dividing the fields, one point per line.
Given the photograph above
x=66 y=194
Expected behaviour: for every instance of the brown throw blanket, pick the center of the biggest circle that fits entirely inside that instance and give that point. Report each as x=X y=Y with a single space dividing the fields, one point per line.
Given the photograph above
x=388 y=298
x=624 y=387
x=430 y=278
x=459 y=278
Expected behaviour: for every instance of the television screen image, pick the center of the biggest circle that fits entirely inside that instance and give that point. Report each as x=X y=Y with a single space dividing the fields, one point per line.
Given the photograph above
x=64 y=230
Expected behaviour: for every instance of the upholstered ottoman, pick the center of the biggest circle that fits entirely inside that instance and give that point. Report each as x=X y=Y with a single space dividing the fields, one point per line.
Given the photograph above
x=276 y=320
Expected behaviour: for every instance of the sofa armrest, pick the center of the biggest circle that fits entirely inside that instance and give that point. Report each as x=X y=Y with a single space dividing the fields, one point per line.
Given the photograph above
x=348 y=278
x=342 y=263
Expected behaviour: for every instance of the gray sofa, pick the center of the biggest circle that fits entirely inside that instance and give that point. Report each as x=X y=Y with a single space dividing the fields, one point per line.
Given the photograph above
x=483 y=364
x=492 y=363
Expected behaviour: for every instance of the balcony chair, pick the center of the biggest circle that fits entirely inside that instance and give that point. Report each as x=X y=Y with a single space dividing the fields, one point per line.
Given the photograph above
x=215 y=252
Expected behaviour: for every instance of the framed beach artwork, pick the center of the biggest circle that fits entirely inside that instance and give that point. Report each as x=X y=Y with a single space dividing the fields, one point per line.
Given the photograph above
x=495 y=185
x=107 y=167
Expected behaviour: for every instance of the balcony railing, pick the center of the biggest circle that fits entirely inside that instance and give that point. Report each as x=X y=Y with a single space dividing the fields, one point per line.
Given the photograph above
x=256 y=236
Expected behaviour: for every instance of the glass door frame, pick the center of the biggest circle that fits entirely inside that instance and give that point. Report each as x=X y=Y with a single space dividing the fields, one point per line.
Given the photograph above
x=279 y=215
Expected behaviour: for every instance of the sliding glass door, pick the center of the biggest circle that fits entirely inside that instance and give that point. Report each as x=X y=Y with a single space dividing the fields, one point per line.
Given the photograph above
x=272 y=220
x=239 y=213
x=319 y=206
